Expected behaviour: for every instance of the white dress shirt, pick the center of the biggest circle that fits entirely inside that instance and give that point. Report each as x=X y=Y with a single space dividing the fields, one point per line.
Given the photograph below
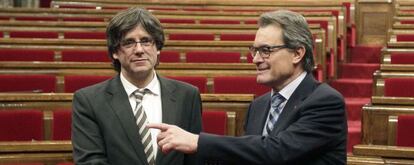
x=151 y=103
x=286 y=92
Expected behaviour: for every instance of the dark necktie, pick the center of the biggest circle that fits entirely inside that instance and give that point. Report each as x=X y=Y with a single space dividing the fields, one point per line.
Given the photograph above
x=277 y=99
x=141 y=120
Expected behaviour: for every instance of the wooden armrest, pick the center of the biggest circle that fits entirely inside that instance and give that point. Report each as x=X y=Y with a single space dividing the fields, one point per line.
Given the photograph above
x=384 y=151
x=392 y=100
x=35 y=146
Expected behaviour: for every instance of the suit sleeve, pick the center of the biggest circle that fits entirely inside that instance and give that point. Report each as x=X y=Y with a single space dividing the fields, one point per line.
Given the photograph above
x=87 y=141
x=320 y=123
x=195 y=126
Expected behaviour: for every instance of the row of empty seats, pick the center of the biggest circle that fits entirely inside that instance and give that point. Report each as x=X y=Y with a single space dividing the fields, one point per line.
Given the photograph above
x=28 y=124
x=49 y=83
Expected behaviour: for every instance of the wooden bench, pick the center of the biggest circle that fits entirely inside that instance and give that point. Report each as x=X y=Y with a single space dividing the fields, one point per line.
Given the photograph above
x=335 y=27
x=235 y=104
x=50 y=152
x=380 y=75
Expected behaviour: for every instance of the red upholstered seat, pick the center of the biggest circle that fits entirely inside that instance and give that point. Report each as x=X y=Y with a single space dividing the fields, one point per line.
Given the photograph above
x=21 y=125
x=242 y=85
x=199 y=9
x=113 y=8
x=65 y=163
x=216 y=21
x=162 y=8
x=405 y=37
x=405 y=129
x=172 y=20
x=33 y=34
x=237 y=37
x=186 y=36
x=85 y=35
x=75 y=82
x=249 y=58
x=36 y=18
x=27 y=83
x=4 y=18
x=213 y=57
x=26 y=55
x=74 y=6
x=199 y=82
x=169 y=56
x=407 y=21
x=83 y=19
x=214 y=122
x=22 y=164
x=399 y=87
x=402 y=58
x=85 y=55
x=250 y=22
x=62 y=125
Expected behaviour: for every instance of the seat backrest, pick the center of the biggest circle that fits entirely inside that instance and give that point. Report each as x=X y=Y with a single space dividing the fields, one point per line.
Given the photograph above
x=75 y=82
x=187 y=36
x=213 y=57
x=214 y=122
x=84 y=35
x=62 y=124
x=21 y=125
x=405 y=129
x=170 y=56
x=404 y=37
x=85 y=55
x=241 y=85
x=33 y=34
x=28 y=83
x=402 y=58
x=199 y=82
x=399 y=87
x=26 y=55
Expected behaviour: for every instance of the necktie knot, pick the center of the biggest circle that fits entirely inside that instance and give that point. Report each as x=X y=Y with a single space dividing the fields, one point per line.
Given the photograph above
x=139 y=94
x=277 y=99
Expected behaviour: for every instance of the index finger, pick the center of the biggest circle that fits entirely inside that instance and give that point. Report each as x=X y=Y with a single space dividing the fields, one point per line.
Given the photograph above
x=160 y=126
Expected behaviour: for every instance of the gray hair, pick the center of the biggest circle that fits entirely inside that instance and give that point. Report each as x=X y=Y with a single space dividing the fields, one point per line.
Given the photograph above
x=125 y=21
x=295 y=33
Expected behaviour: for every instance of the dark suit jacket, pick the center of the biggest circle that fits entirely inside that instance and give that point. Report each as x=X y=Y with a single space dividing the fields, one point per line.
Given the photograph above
x=104 y=129
x=311 y=130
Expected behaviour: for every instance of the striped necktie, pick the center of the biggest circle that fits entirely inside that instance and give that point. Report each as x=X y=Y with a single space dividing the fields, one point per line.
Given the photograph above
x=141 y=120
x=274 y=112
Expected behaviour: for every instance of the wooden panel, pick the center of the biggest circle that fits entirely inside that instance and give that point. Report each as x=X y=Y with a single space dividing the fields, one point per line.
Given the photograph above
x=48 y=102
x=373 y=20
x=375 y=122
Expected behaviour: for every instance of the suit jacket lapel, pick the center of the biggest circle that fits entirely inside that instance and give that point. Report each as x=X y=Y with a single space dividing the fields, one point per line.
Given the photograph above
x=301 y=93
x=118 y=99
x=170 y=111
x=264 y=113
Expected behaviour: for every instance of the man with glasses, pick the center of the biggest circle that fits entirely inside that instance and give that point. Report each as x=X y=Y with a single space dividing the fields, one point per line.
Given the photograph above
x=109 y=118
x=300 y=121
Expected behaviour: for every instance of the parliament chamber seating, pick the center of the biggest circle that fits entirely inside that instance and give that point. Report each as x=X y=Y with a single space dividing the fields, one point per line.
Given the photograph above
x=214 y=122
x=21 y=125
x=405 y=129
x=35 y=83
x=336 y=36
x=62 y=124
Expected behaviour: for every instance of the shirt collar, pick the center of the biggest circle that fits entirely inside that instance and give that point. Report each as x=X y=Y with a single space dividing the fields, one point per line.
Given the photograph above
x=288 y=90
x=153 y=86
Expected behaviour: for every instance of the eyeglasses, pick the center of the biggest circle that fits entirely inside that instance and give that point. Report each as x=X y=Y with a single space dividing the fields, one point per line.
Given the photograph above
x=130 y=43
x=264 y=51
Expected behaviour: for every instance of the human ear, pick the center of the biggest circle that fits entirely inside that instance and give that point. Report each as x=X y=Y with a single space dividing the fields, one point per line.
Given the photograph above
x=299 y=53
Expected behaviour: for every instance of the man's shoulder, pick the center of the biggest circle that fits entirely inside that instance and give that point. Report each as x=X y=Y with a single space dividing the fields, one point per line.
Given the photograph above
x=325 y=93
x=177 y=84
x=95 y=88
